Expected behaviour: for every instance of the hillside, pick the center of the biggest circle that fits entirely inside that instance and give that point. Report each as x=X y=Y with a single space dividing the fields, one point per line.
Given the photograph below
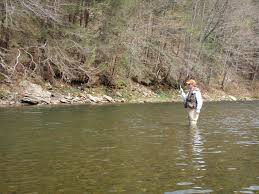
x=113 y=46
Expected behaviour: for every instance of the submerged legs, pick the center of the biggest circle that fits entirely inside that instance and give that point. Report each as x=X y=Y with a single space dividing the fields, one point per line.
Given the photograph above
x=193 y=117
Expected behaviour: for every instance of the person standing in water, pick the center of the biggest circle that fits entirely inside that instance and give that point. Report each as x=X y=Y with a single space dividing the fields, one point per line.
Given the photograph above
x=192 y=101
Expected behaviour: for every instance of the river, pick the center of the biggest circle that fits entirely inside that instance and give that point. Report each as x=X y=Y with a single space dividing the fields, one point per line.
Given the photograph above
x=130 y=148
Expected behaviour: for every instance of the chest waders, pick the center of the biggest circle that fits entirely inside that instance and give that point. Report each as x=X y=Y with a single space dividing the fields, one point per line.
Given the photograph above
x=191 y=105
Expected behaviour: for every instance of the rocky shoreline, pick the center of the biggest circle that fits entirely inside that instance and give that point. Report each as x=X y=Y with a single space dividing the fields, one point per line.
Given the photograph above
x=29 y=93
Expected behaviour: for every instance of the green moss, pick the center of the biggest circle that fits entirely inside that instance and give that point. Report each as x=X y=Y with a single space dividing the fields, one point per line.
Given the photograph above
x=120 y=84
x=71 y=90
x=3 y=94
x=163 y=95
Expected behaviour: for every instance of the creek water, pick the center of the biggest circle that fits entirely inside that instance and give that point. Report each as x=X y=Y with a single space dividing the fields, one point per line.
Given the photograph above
x=130 y=148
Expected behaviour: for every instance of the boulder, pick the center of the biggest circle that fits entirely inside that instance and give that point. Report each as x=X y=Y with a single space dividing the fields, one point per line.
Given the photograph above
x=34 y=94
x=145 y=94
x=48 y=86
x=94 y=98
x=30 y=100
x=77 y=100
x=118 y=94
x=3 y=102
x=122 y=100
x=12 y=102
x=69 y=97
x=247 y=98
x=64 y=100
x=81 y=95
x=55 y=101
x=86 y=100
x=232 y=98
x=108 y=98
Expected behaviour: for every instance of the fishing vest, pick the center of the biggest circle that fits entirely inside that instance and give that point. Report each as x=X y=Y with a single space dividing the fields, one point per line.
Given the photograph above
x=191 y=101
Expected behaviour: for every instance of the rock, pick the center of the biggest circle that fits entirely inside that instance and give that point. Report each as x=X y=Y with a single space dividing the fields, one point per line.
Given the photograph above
x=220 y=98
x=55 y=101
x=145 y=94
x=12 y=102
x=86 y=100
x=3 y=102
x=48 y=86
x=69 y=97
x=30 y=100
x=82 y=96
x=56 y=98
x=63 y=100
x=232 y=98
x=247 y=98
x=76 y=100
x=94 y=98
x=118 y=94
x=34 y=94
x=108 y=98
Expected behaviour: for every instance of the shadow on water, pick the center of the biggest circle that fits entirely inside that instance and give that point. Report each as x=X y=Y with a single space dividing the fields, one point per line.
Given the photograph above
x=136 y=148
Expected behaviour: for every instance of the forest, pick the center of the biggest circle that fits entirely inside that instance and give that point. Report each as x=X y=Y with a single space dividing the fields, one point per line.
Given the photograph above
x=155 y=43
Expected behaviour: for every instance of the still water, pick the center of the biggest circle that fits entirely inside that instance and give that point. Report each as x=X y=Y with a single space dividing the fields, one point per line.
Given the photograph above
x=130 y=149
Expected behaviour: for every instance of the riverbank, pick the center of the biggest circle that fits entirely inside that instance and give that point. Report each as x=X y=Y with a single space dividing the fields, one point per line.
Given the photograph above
x=31 y=93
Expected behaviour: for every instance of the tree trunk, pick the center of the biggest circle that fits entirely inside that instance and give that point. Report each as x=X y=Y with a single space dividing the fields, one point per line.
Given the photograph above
x=255 y=73
x=209 y=75
x=224 y=79
x=86 y=17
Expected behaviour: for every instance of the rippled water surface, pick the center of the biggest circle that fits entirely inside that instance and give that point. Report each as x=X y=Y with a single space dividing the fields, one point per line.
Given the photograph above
x=133 y=149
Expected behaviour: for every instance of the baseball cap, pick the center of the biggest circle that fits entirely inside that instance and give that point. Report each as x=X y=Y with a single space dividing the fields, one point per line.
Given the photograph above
x=191 y=82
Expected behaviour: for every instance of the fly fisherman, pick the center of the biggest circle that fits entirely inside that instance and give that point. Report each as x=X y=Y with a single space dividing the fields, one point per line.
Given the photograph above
x=192 y=101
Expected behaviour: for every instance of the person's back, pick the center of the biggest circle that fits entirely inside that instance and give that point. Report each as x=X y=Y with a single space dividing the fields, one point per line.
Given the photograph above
x=192 y=101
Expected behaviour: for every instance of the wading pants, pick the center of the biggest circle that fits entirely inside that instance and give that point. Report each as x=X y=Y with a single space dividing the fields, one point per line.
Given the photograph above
x=193 y=116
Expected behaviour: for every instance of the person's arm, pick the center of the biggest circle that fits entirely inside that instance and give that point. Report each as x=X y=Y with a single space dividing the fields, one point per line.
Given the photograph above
x=199 y=101
x=183 y=94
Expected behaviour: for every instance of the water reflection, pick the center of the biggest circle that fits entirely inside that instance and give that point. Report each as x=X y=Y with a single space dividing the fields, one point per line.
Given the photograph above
x=197 y=144
x=197 y=148
x=190 y=191
x=251 y=189
x=197 y=161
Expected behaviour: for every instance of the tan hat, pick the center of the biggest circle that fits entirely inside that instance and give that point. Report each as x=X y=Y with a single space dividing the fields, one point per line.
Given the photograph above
x=191 y=82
